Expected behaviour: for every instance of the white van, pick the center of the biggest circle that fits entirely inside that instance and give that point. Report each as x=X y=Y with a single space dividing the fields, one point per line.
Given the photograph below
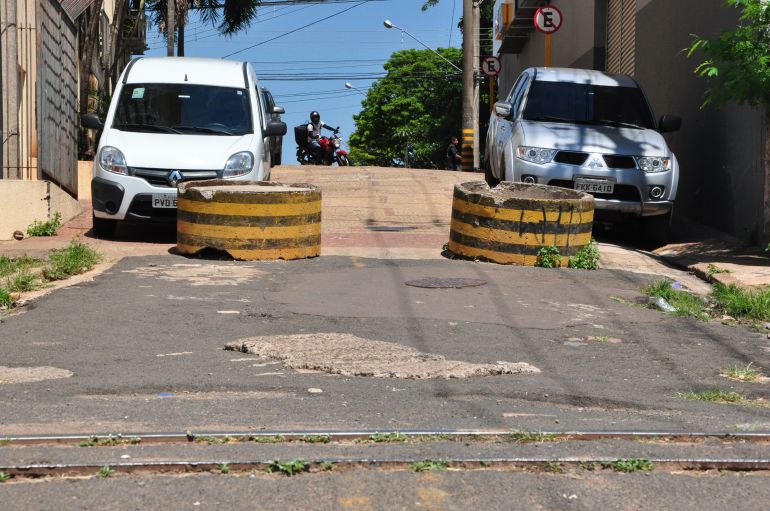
x=174 y=119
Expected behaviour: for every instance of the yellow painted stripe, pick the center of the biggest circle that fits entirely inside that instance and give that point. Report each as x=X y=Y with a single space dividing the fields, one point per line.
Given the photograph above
x=229 y=208
x=514 y=238
x=498 y=257
x=515 y=215
x=468 y=130
x=277 y=253
x=251 y=255
x=246 y=232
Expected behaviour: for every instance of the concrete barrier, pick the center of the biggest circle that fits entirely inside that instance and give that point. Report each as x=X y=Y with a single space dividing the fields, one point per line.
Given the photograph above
x=249 y=220
x=510 y=223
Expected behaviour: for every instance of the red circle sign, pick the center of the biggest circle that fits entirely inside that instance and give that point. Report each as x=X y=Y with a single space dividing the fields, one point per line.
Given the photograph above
x=548 y=19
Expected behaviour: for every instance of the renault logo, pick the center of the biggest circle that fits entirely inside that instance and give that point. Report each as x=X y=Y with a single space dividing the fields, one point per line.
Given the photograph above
x=174 y=177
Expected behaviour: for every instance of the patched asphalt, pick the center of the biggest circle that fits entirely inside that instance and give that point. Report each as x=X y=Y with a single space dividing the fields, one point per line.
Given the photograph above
x=146 y=351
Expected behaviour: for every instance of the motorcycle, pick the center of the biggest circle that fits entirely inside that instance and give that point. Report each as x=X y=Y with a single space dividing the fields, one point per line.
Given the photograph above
x=331 y=150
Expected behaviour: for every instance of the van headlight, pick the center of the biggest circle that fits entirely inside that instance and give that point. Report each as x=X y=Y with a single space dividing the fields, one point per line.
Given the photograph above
x=239 y=164
x=112 y=160
x=653 y=163
x=535 y=154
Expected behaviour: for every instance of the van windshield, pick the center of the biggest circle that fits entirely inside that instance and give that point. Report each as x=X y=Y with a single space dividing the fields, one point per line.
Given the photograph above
x=183 y=109
x=579 y=103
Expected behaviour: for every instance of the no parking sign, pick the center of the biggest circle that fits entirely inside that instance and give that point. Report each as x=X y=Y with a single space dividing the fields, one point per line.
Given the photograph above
x=548 y=20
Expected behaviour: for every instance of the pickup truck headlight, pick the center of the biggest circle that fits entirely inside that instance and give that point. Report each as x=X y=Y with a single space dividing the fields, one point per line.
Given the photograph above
x=239 y=164
x=112 y=160
x=535 y=154
x=653 y=163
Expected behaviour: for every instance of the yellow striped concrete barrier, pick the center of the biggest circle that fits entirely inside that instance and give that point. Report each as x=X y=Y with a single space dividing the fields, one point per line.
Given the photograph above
x=249 y=220
x=510 y=223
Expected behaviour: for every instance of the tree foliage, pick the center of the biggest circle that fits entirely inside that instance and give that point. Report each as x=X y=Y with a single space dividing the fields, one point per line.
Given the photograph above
x=738 y=61
x=418 y=103
x=228 y=16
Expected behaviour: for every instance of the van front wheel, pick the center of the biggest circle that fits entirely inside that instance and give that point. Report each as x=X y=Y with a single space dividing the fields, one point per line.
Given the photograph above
x=104 y=228
x=491 y=180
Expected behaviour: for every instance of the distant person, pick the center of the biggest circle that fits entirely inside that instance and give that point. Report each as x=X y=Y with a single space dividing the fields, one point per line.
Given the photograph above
x=314 y=133
x=453 y=158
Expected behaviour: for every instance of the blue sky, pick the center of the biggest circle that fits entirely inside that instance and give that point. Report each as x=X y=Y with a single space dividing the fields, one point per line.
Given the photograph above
x=342 y=49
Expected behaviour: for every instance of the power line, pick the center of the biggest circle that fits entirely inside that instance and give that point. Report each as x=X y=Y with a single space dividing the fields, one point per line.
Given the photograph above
x=297 y=29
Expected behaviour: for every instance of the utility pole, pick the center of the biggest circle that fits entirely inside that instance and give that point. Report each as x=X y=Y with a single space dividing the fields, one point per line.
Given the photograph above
x=9 y=93
x=467 y=151
x=476 y=83
x=170 y=28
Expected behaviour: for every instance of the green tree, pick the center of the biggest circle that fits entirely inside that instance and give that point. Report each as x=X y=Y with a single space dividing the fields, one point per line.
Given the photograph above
x=417 y=104
x=737 y=67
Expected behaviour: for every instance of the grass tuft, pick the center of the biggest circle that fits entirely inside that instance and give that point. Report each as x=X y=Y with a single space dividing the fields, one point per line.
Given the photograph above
x=428 y=465
x=741 y=303
x=4 y=476
x=272 y=439
x=48 y=228
x=105 y=471
x=740 y=373
x=223 y=468
x=533 y=436
x=587 y=258
x=715 y=396
x=630 y=465
x=389 y=438
x=288 y=468
x=75 y=259
x=316 y=439
x=686 y=304
x=548 y=257
x=6 y=301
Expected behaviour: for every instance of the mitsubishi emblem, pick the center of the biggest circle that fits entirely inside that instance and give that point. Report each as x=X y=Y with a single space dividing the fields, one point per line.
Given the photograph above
x=174 y=177
x=596 y=162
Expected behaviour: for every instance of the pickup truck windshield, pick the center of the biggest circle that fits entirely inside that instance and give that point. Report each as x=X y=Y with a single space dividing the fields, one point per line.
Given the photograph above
x=183 y=109
x=578 y=103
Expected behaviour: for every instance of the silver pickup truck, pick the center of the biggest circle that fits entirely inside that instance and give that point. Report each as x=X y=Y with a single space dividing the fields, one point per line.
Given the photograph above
x=590 y=131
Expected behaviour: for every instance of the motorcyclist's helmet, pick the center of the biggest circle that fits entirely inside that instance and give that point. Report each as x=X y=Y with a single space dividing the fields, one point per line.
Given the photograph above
x=315 y=116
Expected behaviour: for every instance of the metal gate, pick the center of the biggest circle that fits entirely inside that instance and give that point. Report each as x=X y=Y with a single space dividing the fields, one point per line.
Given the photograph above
x=621 y=36
x=57 y=93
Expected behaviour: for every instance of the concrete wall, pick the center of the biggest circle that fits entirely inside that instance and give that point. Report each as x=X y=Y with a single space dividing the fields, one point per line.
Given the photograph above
x=571 y=46
x=24 y=201
x=719 y=151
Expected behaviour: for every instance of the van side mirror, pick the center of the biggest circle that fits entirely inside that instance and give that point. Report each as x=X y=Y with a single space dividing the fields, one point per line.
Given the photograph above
x=279 y=110
x=503 y=109
x=92 y=122
x=275 y=129
x=669 y=123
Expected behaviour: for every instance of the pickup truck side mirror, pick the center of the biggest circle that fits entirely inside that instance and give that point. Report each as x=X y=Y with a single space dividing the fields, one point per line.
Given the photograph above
x=279 y=110
x=669 y=123
x=503 y=109
x=275 y=129
x=92 y=122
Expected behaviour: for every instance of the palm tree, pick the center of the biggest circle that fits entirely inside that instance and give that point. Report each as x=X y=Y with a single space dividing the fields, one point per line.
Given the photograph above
x=227 y=16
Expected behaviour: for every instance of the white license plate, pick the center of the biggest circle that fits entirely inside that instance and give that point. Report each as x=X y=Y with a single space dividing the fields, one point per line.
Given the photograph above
x=594 y=186
x=163 y=200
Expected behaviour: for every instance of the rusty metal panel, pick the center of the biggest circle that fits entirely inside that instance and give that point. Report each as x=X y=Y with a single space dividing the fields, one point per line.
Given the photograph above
x=57 y=92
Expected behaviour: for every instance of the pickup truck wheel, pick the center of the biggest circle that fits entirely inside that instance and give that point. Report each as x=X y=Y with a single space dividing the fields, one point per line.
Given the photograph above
x=656 y=229
x=491 y=180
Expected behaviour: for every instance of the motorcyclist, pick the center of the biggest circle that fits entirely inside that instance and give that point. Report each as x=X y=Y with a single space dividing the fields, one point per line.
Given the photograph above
x=314 y=133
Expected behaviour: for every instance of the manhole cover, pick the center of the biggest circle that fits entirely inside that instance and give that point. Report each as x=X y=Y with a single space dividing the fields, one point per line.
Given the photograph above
x=434 y=283
x=390 y=228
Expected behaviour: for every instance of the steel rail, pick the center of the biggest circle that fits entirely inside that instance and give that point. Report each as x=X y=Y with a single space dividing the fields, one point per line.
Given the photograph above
x=289 y=436
x=38 y=470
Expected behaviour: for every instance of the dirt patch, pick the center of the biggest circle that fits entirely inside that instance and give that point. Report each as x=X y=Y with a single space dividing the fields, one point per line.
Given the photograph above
x=199 y=274
x=349 y=355
x=31 y=374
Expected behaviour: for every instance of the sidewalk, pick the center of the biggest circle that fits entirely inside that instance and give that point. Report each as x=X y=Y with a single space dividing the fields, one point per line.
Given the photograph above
x=718 y=257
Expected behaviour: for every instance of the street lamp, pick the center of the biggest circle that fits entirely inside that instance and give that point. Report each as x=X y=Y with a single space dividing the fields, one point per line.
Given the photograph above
x=389 y=24
x=349 y=85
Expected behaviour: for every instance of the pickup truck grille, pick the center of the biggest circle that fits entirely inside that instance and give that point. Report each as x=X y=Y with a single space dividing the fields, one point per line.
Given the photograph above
x=615 y=161
x=570 y=157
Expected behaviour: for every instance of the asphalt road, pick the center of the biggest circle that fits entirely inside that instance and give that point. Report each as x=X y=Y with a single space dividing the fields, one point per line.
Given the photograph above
x=144 y=343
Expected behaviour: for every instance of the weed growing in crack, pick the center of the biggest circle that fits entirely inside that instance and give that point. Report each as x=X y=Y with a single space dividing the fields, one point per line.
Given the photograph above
x=427 y=465
x=630 y=465
x=316 y=439
x=105 y=471
x=223 y=468
x=389 y=438
x=534 y=436
x=740 y=373
x=288 y=468
x=4 y=476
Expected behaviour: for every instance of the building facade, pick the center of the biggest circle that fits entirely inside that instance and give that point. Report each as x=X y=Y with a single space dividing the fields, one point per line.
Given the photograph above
x=722 y=183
